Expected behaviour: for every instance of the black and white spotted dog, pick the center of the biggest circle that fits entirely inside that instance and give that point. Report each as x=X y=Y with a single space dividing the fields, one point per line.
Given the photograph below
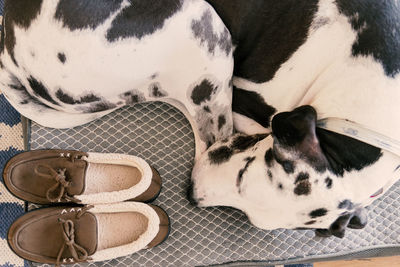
x=67 y=62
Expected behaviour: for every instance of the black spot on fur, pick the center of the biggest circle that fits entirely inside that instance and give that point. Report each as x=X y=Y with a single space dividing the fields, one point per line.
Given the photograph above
x=16 y=83
x=240 y=143
x=220 y=155
x=67 y=99
x=203 y=92
x=98 y=107
x=346 y=204
x=239 y=179
x=89 y=98
x=244 y=142
x=82 y=14
x=18 y=13
x=132 y=97
x=303 y=188
x=40 y=90
x=252 y=105
x=318 y=213
x=310 y=222
x=328 y=182
x=280 y=186
x=266 y=33
x=207 y=109
x=142 y=18
x=156 y=91
x=62 y=57
x=25 y=95
x=203 y=29
x=221 y=121
x=270 y=175
x=269 y=157
x=301 y=177
x=378 y=26
x=346 y=154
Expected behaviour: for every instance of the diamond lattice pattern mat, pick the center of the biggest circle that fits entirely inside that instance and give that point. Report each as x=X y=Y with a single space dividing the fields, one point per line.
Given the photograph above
x=161 y=135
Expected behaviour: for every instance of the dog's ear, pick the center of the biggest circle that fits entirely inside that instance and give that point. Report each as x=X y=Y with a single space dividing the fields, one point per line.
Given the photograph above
x=295 y=127
x=297 y=130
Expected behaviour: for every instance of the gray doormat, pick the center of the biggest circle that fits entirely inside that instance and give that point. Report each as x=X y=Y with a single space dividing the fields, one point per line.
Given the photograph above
x=161 y=135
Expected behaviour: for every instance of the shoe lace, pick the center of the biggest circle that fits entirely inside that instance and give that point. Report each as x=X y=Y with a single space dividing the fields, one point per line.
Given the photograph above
x=61 y=183
x=78 y=253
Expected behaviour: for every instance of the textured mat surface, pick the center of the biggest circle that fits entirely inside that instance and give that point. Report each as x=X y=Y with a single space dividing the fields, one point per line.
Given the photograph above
x=160 y=134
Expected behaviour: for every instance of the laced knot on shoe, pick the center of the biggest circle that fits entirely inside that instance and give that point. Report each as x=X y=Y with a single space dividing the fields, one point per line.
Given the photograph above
x=58 y=190
x=78 y=253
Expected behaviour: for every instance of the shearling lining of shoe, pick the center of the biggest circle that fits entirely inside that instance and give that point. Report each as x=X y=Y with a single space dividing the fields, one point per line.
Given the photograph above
x=114 y=178
x=124 y=228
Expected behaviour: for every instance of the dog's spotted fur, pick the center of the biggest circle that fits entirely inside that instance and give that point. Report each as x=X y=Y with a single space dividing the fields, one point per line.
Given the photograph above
x=337 y=65
x=83 y=59
x=67 y=62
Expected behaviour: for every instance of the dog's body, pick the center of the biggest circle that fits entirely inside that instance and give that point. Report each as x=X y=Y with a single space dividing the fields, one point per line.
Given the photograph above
x=66 y=63
x=62 y=69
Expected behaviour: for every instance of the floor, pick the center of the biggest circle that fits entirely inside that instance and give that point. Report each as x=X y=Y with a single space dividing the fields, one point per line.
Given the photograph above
x=374 y=262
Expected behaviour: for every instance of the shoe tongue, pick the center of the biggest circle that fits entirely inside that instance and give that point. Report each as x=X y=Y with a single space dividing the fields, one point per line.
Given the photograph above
x=76 y=172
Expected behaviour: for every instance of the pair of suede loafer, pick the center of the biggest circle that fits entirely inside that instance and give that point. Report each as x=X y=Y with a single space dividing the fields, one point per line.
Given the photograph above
x=92 y=221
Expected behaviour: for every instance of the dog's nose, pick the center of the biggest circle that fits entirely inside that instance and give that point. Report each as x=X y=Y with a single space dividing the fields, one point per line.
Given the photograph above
x=190 y=196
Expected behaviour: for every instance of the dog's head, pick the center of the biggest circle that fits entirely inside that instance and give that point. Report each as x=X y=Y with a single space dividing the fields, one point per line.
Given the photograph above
x=300 y=176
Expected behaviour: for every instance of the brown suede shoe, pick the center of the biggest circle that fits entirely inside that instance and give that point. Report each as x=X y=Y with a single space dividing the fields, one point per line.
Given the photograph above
x=48 y=176
x=65 y=235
